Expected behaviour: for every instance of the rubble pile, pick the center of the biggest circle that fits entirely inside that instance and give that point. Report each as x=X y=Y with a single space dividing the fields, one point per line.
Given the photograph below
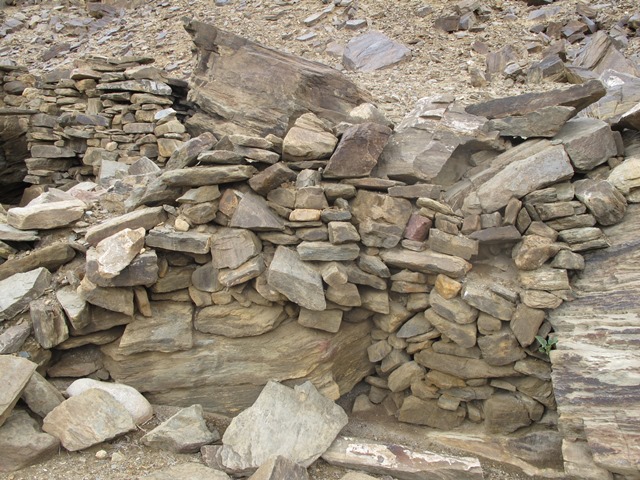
x=197 y=267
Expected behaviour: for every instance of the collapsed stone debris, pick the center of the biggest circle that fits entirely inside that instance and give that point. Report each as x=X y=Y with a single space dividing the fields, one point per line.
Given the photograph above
x=171 y=245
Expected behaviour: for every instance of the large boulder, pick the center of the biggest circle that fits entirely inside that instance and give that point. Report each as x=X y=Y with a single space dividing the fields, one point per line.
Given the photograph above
x=242 y=87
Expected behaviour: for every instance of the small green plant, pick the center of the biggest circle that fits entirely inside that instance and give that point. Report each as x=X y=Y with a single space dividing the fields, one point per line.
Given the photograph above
x=546 y=344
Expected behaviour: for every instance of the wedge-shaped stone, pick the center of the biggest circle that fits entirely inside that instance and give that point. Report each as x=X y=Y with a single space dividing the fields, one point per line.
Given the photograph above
x=46 y=216
x=187 y=153
x=299 y=423
x=462 y=367
x=15 y=373
x=167 y=330
x=577 y=96
x=521 y=177
x=479 y=295
x=453 y=309
x=184 y=432
x=271 y=178
x=146 y=218
x=253 y=213
x=17 y=291
x=533 y=252
x=231 y=247
x=41 y=396
x=463 y=335
x=296 y=280
x=500 y=348
x=545 y=122
x=115 y=253
x=398 y=461
x=115 y=299
x=49 y=322
x=426 y=262
x=235 y=320
x=191 y=242
x=87 y=419
x=199 y=176
x=23 y=443
x=526 y=322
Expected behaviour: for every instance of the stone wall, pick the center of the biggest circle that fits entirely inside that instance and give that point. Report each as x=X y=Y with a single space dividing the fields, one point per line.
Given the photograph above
x=198 y=269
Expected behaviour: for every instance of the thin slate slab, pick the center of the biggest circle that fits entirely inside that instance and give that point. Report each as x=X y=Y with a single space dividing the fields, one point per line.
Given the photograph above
x=373 y=51
x=400 y=461
x=17 y=291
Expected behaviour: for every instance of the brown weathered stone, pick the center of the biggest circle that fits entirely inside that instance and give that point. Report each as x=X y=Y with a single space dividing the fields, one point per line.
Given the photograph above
x=240 y=77
x=358 y=151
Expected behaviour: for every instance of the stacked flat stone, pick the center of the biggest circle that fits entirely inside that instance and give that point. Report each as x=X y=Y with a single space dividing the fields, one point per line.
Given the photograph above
x=102 y=111
x=247 y=258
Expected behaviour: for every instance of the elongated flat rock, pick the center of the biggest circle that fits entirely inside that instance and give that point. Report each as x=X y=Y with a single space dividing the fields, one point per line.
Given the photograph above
x=426 y=262
x=147 y=218
x=400 y=461
x=198 y=176
x=15 y=373
x=577 y=96
x=46 y=216
x=49 y=257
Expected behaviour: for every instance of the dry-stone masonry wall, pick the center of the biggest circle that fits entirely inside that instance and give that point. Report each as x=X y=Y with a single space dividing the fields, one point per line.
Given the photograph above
x=423 y=260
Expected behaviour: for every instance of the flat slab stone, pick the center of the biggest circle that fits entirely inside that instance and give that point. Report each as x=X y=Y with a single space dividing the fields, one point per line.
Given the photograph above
x=146 y=218
x=17 y=291
x=236 y=320
x=49 y=257
x=87 y=419
x=373 y=51
x=199 y=176
x=192 y=242
x=400 y=461
x=577 y=96
x=15 y=373
x=299 y=423
x=46 y=216
x=12 y=234
x=426 y=262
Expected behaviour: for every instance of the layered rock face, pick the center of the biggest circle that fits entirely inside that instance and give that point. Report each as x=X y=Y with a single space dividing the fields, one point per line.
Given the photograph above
x=330 y=253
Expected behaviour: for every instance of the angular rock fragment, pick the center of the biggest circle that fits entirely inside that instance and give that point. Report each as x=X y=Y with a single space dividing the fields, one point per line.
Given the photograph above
x=253 y=213
x=184 y=432
x=427 y=412
x=190 y=470
x=589 y=142
x=15 y=373
x=199 y=176
x=296 y=280
x=373 y=51
x=607 y=204
x=41 y=396
x=87 y=419
x=427 y=262
x=23 y=443
x=299 y=423
x=17 y=291
x=278 y=467
x=358 y=151
x=235 y=320
x=308 y=139
x=49 y=322
x=116 y=252
x=192 y=242
x=146 y=218
x=236 y=97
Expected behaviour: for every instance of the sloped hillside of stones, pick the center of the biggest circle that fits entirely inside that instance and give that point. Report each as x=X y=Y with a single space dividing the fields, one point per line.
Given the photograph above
x=195 y=249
